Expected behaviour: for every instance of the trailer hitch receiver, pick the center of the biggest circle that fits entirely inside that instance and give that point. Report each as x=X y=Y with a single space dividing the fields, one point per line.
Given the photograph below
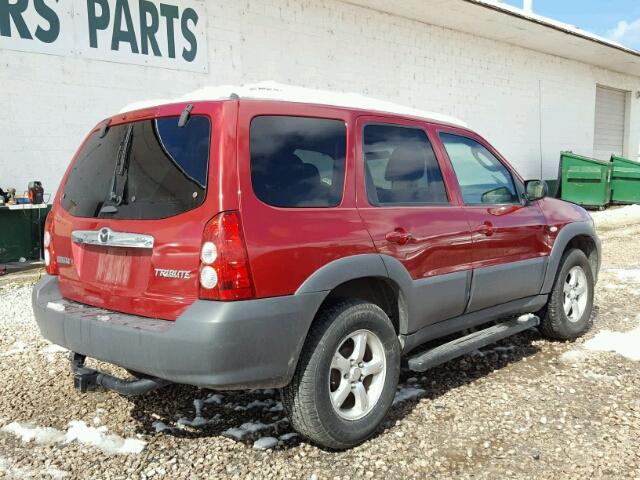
x=87 y=379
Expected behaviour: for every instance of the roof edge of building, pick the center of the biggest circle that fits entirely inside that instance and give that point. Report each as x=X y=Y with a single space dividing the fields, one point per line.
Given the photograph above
x=553 y=24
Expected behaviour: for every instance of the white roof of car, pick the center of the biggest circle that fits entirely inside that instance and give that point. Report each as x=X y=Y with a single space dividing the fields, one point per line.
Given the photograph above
x=289 y=93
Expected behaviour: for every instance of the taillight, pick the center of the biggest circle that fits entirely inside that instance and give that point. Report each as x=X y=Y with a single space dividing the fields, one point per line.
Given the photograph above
x=224 y=264
x=50 y=261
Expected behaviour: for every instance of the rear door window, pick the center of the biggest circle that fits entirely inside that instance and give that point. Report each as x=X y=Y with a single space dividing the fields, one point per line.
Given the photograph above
x=401 y=167
x=149 y=169
x=298 y=161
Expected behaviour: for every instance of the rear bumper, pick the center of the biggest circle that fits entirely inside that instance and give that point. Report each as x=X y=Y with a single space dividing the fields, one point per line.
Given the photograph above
x=230 y=345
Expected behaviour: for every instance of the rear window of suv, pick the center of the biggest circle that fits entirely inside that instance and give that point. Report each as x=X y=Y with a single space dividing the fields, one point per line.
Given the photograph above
x=143 y=170
x=298 y=161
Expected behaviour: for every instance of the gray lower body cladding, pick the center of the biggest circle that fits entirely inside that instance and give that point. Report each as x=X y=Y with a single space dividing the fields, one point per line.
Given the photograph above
x=231 y=345
x=474 y=319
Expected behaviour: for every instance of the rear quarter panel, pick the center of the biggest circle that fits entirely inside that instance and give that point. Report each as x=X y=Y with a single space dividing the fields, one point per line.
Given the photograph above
x=288 y=245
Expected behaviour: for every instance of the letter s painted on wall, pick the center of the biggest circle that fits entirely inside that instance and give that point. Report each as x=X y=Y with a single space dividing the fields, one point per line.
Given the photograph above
x=47 y=13
x=189 y=14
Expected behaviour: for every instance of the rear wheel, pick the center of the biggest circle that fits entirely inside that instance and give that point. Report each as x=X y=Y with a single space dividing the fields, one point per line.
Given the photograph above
x=346 y=377
x=568 y=313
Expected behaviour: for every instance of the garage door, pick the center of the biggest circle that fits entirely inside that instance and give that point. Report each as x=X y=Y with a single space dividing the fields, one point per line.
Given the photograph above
x=610 y=122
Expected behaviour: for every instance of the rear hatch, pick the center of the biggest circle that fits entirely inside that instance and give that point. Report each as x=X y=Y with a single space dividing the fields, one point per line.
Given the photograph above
x=132 y=208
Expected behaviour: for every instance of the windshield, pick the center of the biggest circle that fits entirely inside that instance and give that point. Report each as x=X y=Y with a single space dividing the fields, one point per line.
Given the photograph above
x=149 y=169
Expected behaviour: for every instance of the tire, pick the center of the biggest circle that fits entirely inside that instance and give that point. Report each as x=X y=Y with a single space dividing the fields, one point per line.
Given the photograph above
x=330 y=342
x=556 y=322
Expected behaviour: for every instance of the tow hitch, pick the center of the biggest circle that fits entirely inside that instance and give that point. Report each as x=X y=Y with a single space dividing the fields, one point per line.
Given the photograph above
x=87 y=379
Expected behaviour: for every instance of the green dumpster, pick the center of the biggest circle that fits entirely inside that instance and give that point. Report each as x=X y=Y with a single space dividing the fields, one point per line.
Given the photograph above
x=586 y=181
x=625 y=181
x=21 y=231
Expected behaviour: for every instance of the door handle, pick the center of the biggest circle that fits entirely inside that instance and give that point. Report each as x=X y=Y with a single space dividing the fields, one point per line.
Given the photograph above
x=485 y=229
x=399 y=236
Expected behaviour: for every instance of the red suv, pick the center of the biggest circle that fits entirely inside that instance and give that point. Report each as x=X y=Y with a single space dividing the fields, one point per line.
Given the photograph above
x=243 y=243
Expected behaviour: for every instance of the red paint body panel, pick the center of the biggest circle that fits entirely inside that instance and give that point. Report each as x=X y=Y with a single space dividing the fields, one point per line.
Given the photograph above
x=287 y=245
x=502 y=233
x=440 y=241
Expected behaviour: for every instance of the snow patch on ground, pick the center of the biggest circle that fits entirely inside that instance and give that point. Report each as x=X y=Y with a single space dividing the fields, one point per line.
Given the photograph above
x=160 y=427
x=617 y=216
x=268 y=405
x=249 y=427
x=55 y=473
x=199 y=420
x=574 y=356
x=265 y=443
x=30 y=433
x=17 y=347
x=599 y=377
x=50 y=351
x=214 y=398
x=407 y=393
x=77 y=431
x=626 y=344
x=7 y=467
x=631 y=275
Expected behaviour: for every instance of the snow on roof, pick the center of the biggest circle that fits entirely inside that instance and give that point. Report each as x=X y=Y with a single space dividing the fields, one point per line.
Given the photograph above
x=280 y=92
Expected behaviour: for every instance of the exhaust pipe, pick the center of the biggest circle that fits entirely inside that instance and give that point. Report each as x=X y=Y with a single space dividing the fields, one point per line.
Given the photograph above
x=87 y=379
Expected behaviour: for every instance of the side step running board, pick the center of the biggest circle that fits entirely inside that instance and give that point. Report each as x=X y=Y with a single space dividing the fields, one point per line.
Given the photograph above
x=464 y=345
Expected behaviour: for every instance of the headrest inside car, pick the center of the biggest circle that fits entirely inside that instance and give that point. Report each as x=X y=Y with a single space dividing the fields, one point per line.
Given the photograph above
x=407 y=163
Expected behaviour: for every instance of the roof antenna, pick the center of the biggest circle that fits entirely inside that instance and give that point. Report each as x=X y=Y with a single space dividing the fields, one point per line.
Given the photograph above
x=184 y=116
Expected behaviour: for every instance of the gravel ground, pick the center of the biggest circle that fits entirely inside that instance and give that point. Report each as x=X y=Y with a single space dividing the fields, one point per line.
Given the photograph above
x=527 y=408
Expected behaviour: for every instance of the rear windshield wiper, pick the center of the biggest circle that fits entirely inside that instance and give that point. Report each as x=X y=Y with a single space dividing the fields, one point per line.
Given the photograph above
x=121 y=170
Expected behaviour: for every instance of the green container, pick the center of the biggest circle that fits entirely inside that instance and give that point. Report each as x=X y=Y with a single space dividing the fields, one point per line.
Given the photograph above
x=22 y=229
x=586 y=181
x=625 y=181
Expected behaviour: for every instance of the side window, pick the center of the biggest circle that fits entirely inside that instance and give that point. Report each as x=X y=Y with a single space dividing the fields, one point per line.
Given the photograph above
x=298 y=161
x=401 y=167
x=482 y=177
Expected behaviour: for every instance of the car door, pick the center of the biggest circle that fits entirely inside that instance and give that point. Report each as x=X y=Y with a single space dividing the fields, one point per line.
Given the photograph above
x=418 y=227
x=510 y=250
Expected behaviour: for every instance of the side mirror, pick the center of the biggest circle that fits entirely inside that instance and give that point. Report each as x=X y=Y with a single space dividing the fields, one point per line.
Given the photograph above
x=535 y=190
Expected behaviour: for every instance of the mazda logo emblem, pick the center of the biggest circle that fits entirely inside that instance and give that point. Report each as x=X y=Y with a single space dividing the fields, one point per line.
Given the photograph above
x=103 y=235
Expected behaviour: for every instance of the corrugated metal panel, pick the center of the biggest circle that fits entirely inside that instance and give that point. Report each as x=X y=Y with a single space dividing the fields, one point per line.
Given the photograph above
x=611 y=107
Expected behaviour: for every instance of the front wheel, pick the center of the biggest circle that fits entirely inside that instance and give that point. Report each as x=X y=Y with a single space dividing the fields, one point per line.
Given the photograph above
x=346 y=377
x=568 y=313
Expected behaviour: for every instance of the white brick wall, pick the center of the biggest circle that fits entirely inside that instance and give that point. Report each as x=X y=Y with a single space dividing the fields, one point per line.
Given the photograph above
x=50 y=102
